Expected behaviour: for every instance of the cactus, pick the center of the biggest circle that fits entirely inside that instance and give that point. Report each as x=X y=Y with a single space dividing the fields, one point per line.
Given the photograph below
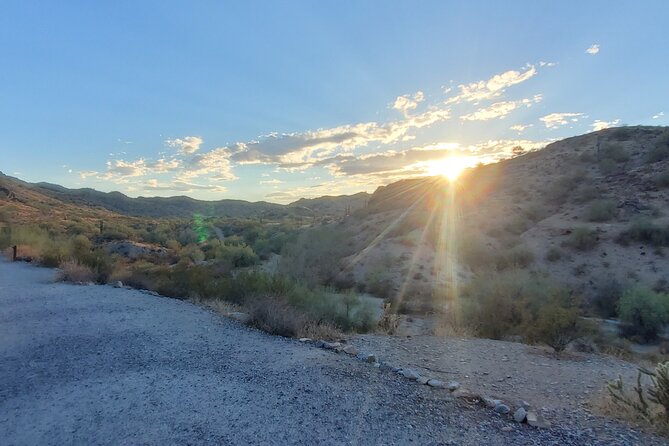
x=658 y=394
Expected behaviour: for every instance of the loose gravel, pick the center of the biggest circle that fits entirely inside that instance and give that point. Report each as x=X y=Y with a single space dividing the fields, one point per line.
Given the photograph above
x=102 y=365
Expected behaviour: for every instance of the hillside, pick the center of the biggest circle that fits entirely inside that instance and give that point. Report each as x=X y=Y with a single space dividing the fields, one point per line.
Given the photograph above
x=47 y=195
x=591 y=211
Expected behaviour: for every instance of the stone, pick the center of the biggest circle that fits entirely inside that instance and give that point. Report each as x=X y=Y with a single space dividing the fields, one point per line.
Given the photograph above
x=305 y=339
x=118 y=284
x=520 y=415
x=525 y=405
x=507 y=429
x=436 y=383
x=350 y=350
x=422 y=380
x=411 y=374
x=491 y=403
x=453 y=386
x=331 y=345
x=502 y=409
x=536 y=420
x=243 y=318
x=371 y=358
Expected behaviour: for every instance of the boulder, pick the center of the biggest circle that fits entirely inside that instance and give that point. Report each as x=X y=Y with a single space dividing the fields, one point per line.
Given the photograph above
x=118 y=284
x=410 y=374
x=350 y=350
x=536 y=420
x=243 y=318
x=520 y=415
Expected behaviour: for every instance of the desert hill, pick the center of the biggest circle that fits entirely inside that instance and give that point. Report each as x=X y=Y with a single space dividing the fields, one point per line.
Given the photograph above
x=591 y=211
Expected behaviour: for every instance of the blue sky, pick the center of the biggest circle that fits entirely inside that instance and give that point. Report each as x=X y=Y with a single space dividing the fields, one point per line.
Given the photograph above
x=279 y=100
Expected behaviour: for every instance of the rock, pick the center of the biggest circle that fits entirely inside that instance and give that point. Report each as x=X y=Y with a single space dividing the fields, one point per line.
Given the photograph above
x=372 y=358
x=422 y=380
x=465 y=394
x=243 y=318
x=118 y=284
x=520 y=415
x=436 y=383
x=453 y=386
x=502 y=409
x=350 y=350
x=305 y=339
x=331 y=345
x=411 y=374
x=507 y=429
x=491 y=403
x=536 y=420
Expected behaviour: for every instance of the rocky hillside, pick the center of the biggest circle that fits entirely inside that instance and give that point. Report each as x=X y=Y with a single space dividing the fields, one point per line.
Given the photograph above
x=52 y=195
x=591 y=211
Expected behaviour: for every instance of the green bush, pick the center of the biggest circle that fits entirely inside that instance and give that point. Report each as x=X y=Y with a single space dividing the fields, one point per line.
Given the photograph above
x=660 y=150
x=608 y=166
x=606 y=297
x=516 y=257
x=601 y=210
x=646 y=231
x=614 y=152
x=643 y=313
x=583 y=239
x=515 y=303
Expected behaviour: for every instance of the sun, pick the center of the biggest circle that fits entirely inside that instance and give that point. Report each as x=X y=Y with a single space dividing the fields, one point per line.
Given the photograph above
x=450 y=167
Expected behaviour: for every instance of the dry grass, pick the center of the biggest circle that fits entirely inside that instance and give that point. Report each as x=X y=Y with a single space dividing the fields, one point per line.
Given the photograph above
x=75 y=272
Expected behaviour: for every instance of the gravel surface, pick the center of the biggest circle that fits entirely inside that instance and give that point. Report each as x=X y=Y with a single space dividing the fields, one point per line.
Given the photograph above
x=100 y=365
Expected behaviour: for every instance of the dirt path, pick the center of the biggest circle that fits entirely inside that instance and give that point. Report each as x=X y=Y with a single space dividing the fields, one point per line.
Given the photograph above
x=99 y=365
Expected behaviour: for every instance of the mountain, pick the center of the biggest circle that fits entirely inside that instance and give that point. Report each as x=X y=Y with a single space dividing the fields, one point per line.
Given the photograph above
x=180 y=206
x=592 y=211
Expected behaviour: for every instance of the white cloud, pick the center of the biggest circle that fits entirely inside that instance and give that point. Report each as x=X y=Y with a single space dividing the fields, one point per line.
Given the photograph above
x=179 y=186
x=601 y=125
x=521 y=127
x=555 y=120
x=272 y=181
x=500 y=109
x=593 y=49
x=407 y=102
x=658 y=116
x=493 y=87
x=185 y=145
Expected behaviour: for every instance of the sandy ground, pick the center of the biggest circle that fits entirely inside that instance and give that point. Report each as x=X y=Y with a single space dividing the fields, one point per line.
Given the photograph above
x=100 y=365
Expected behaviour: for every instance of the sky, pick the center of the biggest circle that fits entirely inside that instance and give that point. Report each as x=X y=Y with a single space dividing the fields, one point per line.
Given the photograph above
x=275 y=101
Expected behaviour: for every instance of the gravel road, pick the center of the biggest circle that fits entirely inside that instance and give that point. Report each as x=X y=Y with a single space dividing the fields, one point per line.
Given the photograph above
x=100 y=365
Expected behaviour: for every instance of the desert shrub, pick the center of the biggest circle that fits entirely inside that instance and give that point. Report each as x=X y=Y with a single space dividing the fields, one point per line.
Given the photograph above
x=601 y=210
x=586 y=194
x=615 y=152
x=643 y=313
x=660 y=150
x=557 y=322
x=583 y=239
x=608 y=166
x=534 y=212
x=662 y=179
x=314 y=257
x=515 y=303
x=192 y=252
x=379 y=283
x=553 y=254
x=606 y=297
x=474 y=253
x=649 y=403
x=516 y=257
x=517 y=225
x=646 y=231
x=72 y=271
x=275 y=316
x=622 y=133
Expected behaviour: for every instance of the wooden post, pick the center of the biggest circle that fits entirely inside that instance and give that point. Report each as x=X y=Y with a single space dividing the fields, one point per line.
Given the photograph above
x=14 y=253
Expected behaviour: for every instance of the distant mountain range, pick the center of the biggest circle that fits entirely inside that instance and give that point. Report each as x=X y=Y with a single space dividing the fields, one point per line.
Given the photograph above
x=181 y=206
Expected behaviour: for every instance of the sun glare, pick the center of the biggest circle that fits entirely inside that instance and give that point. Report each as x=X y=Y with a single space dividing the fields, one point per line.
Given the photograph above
x=450 y=167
